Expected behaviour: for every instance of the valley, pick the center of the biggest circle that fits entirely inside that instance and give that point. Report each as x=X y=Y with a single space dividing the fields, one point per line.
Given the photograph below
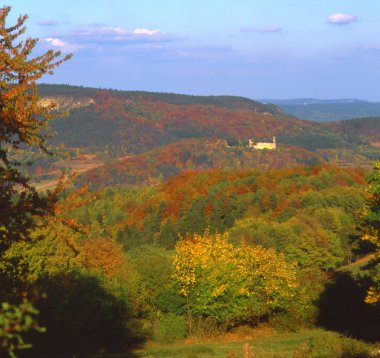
x=150 y=223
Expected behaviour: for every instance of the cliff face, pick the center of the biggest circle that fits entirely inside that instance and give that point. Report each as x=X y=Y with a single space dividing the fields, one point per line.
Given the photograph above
x=65 y=103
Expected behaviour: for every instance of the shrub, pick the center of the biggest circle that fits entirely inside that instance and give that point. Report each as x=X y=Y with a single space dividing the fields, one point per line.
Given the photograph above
x=332 y=346
x=170 y=327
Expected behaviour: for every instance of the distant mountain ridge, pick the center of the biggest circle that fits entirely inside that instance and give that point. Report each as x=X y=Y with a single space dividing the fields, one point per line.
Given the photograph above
x=308 y=101
x=325 y=110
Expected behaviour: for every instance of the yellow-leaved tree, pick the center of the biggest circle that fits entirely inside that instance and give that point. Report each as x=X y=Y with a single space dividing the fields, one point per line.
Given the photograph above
x=232 y=284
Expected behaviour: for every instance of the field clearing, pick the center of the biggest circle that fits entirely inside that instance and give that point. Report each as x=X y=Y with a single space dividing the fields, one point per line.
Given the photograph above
x=78 y=165
x=305 y=343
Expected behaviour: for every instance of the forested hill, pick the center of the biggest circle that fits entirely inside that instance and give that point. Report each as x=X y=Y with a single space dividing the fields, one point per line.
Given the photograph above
x=133 y=122
x=232 y=102
x=140 y=137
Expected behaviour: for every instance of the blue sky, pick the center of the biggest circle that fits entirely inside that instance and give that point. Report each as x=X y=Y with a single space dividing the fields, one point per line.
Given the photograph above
x=253 y=48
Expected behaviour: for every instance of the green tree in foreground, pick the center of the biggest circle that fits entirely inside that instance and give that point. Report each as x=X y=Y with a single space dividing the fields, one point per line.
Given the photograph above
x=371 y=225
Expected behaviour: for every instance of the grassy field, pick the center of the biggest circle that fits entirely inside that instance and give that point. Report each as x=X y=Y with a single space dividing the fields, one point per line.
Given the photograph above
x=305 y=343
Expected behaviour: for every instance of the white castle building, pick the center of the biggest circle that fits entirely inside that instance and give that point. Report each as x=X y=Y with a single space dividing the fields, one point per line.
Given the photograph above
x=262 y=145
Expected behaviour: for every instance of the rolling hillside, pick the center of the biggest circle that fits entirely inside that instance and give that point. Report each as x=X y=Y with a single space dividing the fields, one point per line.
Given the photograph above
x=142 y=137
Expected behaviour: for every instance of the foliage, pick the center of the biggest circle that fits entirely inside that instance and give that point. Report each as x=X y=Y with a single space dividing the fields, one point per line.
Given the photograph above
x=170 y=327
x=232 y=284
x=151 y=285
x=81 y=277
x=334 y=347
x=371 y=225
x=85 y=313
x=102 y=255
x=310 y=214
x=15 y=321
x=144 y=136
x=23 y=123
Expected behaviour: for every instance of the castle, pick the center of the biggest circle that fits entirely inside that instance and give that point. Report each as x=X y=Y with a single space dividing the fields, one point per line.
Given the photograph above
x=262 y=145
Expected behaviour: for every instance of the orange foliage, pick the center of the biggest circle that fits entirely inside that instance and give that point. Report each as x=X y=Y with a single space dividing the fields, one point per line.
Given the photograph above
x=102 y=255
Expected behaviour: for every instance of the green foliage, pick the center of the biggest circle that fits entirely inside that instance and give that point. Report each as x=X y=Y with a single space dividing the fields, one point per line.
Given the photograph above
x=151 y=288
x=170 y=327
x=333 y=347
x=371 y=224
x=15 y=321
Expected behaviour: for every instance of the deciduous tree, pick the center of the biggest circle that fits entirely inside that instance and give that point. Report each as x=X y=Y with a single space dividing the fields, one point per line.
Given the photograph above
x=232 y=284
x=23 y=123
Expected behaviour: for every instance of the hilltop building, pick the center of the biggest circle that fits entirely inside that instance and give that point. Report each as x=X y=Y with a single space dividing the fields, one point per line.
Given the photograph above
x=263 y=145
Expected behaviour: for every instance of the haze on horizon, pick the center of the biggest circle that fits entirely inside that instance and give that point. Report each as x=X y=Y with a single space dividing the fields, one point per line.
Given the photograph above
x=258 y=49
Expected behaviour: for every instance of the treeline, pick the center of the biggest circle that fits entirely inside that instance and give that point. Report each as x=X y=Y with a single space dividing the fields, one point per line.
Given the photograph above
x=232 y=102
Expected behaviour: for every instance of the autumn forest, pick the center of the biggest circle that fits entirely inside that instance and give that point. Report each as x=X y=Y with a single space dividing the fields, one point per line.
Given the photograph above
x=130 y=219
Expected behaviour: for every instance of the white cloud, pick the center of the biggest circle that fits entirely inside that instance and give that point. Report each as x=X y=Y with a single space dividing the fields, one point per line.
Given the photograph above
x=341 y=19
x=263 y=30
x=143 y=31
x=63 y=45
x=101 y=33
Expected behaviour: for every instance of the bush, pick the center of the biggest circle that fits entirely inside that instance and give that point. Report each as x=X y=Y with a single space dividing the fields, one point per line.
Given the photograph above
x=170 y=327
x=333 y=346
x=82 y=315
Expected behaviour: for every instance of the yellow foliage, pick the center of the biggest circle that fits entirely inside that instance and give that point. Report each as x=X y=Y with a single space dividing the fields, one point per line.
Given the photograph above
x=215 y=275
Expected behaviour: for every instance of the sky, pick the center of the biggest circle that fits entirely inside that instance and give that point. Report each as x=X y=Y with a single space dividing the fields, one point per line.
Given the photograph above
x=276 y=49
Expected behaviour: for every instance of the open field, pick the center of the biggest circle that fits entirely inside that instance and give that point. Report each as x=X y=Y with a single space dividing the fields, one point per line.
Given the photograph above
x=305 y=343
x=78 y=165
